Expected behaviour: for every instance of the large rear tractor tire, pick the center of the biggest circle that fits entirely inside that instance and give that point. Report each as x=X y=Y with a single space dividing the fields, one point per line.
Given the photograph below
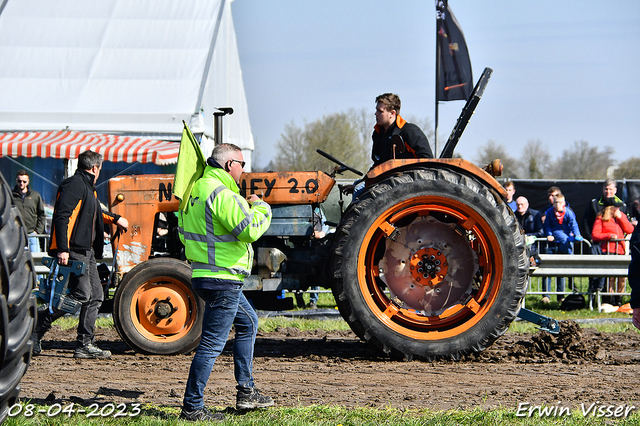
x=17 y=303
x=429 y=264
x=155 y=309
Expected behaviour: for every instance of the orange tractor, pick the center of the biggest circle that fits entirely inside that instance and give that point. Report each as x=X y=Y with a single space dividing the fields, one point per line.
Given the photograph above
x=428 y=262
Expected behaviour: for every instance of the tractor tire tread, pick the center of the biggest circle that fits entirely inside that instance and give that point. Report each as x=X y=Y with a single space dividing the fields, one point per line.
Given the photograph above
x=17 y=303
x=428 y=177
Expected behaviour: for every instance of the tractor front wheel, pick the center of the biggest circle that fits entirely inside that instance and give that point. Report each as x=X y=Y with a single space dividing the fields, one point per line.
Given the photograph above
x=429 y=264
x=155 y=309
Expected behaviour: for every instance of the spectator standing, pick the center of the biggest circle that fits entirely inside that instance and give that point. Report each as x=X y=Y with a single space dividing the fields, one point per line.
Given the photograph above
x=596 y=205
x=612 y=224
x=552 y=192
x=77 y=230
x=635 y=211
x=609 y=189
x=31 y=208
x=510 y=187
x=634 y=275
x=561 y=229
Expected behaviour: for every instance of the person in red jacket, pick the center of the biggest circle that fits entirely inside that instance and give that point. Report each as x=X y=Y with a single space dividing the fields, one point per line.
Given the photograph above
x=611 y=226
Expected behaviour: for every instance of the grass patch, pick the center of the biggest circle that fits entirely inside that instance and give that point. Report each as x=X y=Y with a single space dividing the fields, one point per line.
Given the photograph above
x=267 y=325
x=67 y=322
x=270 y=324
x=326 y=301
x=326 y=415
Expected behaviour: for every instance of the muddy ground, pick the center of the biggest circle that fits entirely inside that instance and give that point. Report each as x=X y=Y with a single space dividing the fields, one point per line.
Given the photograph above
x=304 y=368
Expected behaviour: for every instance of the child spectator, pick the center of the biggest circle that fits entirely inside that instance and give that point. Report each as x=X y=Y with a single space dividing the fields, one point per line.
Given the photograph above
x=510 y=187
x=552 y=192
x=612 y=224
x=561 y=228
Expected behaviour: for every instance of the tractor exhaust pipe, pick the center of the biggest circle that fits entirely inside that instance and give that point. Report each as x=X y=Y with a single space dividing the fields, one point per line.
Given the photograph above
x=217 y=123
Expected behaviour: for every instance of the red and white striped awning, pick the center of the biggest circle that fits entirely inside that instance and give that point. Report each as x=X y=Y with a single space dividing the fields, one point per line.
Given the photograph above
x=69 y=144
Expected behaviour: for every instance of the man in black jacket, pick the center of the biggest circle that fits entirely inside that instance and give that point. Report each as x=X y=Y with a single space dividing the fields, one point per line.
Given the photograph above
x=530 y=220
x=77 y=234
x=31 y=207
x=389 y=123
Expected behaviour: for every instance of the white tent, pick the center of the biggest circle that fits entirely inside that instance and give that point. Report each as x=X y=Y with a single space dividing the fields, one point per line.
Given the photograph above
x=121 y=67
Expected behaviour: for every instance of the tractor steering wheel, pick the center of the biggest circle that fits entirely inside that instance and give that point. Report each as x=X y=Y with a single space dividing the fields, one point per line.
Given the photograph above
x=335 y=160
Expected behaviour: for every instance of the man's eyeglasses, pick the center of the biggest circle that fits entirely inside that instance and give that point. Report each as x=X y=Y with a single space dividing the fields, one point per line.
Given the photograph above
x=242 y=163
x=22 y=181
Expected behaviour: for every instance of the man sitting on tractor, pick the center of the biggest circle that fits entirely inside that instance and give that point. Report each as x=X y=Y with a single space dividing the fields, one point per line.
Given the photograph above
x=388 y=124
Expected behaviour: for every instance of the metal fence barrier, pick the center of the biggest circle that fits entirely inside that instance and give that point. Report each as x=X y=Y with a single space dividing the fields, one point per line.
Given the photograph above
x=578 y=265
x=581 y=264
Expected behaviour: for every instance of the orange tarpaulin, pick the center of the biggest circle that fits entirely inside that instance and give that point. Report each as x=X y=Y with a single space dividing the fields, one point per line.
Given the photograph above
x=69 y=144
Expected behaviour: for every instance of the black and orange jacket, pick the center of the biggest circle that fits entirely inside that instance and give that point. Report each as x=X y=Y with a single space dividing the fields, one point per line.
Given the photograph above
x=416 y=142
x=78 y=220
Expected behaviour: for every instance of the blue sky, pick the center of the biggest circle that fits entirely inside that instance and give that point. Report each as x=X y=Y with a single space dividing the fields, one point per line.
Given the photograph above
x=563 y=71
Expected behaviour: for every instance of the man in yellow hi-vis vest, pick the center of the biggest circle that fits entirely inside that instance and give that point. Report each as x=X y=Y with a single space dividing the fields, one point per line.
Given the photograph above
x=218 y=227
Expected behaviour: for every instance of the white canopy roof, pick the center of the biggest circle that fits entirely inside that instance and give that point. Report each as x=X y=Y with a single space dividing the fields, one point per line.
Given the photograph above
x=131 y=67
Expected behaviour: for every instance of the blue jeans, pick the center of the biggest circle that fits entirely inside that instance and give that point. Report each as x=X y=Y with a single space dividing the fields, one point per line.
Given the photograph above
x=313 y=297
x=546 y=284
x=564 y=247
x=223 y=308
x=34 y=244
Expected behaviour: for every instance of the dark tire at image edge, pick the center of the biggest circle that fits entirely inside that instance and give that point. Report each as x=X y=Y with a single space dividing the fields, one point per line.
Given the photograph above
x=468 y=215
x=17 y=303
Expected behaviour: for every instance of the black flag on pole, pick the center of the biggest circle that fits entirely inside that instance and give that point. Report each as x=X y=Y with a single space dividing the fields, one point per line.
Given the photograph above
x=454 y=78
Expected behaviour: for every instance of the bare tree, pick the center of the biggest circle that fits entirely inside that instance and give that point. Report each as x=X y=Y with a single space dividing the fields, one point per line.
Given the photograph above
x=628 y=169
x=345 y=135
x=584 y=161
x=291 y=152
x=363 y=121
x=536 y=161
x=491 y=151
x=334 y=134
x=256 y=158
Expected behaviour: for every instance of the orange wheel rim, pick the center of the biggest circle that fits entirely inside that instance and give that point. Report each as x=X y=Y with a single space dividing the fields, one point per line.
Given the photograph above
x=163 y=310
x=457 y=316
